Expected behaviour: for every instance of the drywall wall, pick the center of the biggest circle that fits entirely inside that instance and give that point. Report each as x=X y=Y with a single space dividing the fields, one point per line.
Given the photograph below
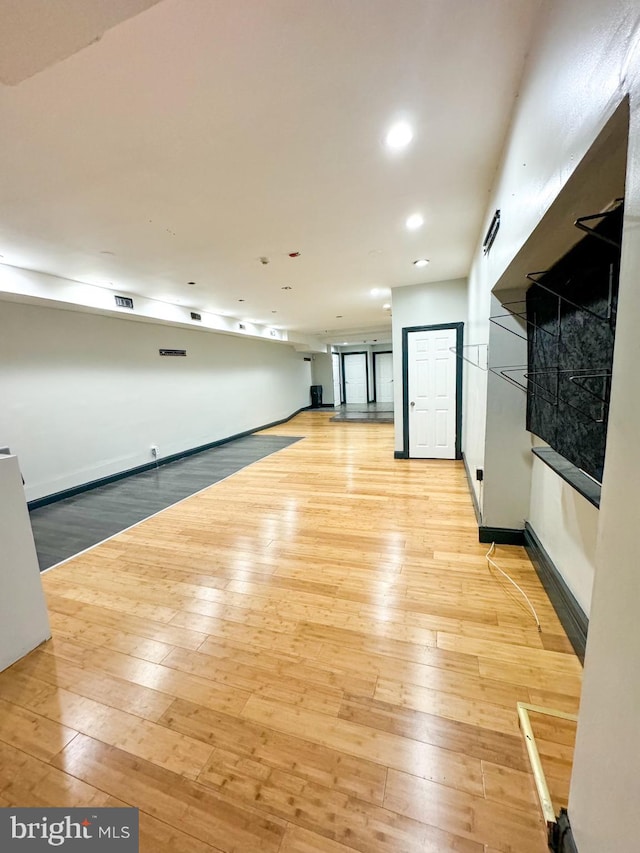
x=85 y=396
x=24 y=623
x=584 y=60
x=567 y=525
x=507 y=451
x=421 y=305
x=322 y=374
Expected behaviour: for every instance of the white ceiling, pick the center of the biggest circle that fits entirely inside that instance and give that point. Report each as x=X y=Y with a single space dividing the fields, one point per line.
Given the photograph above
x=199 y=135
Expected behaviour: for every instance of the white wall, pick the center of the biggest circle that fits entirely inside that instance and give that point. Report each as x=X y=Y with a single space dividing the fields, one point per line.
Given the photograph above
x=567 y=525
x=584 y=59
x=322 y=374
x=507 y=449
x=24 y=622
x=422 y=305
x=84 y=396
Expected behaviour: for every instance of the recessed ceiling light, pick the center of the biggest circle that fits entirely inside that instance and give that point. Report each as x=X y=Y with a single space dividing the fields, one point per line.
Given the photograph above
x=286 y=287
x=243 y=300
x=414 y=222
x=421 y=262
x=386 y=306
x=191 y=283
x=338 y=316
x=274 y=312
x=345 y=344
x=399 y=136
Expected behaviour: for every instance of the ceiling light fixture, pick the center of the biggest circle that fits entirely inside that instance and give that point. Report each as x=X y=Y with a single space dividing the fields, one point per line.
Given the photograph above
x=399 y=136
x=414 y=222
x=286 y=287
x=191 y=283
x=421 y=262
x=241 y=300
x=386 y=306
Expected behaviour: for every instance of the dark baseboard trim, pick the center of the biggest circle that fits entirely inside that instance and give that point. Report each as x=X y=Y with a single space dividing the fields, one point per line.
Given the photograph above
x=400 y=454
x=573 y=619
x=561 y=837
x=472 y=491
x=500 y=535
x=148 y=466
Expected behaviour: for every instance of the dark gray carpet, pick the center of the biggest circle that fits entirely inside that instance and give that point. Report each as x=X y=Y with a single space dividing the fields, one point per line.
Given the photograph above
x=364 y=413
x=69 y=526
x=364 y=418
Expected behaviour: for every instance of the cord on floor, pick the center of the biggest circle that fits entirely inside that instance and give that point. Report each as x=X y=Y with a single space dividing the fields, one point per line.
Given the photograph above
x=511 y=580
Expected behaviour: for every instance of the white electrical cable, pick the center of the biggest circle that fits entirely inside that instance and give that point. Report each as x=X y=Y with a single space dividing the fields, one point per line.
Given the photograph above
x=511 y=580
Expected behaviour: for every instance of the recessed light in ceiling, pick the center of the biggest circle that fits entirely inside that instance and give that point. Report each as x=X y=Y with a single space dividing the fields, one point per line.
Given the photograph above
x=345 y=344
x=241 y=300
x=386 y=306
x=274 y=312
x=191 y=283
x=399 y=136
x=414 y=222
x=286 y=287
x=421 y=262
x=106 y=252
x=338 y=316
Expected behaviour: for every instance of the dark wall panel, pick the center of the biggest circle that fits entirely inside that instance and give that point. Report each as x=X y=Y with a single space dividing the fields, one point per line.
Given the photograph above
x=571 y=331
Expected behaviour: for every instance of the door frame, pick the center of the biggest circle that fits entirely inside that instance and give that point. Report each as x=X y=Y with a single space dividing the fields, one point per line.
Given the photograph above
x=459 y=328
x=366 y=368
x=375 y=375
x=337 y=402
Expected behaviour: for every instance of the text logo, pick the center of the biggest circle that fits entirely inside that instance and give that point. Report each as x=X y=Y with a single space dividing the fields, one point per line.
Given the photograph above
x=33 y=830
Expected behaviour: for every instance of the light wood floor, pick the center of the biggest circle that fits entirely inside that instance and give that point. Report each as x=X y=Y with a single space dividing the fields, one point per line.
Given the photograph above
x=309 y=657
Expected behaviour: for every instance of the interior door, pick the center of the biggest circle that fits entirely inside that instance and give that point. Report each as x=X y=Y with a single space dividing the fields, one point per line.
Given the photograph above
x=431 y=388
x=384 y=376
x=337 y=382
x=354 y=365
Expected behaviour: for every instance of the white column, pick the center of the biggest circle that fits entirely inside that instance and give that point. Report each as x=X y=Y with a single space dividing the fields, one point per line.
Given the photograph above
x=24 y=623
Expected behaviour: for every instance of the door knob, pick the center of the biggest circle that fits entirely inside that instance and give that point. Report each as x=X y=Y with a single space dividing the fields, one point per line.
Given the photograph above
x=412 y=403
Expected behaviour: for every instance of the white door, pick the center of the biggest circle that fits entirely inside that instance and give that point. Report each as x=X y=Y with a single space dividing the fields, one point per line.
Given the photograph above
x=384 y=377
x=337 y=383
x=355 y=377
x=432 y=394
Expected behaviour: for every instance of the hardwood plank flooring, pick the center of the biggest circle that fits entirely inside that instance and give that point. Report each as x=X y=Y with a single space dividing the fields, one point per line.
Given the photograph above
x=310 y=656
x=67 y=527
